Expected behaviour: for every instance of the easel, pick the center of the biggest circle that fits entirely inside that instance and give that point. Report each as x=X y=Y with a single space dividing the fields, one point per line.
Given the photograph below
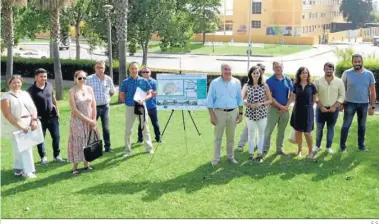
x=184 y=125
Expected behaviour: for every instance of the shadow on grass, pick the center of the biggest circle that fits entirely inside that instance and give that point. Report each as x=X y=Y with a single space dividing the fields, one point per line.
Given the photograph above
x=109 y=160
x=206 y=175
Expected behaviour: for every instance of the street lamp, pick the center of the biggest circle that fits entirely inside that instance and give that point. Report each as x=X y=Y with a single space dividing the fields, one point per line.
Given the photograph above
x=108 y=9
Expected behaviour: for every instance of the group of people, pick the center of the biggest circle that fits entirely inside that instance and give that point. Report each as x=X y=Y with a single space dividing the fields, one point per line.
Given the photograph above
x=267 y=105
x=89 y=100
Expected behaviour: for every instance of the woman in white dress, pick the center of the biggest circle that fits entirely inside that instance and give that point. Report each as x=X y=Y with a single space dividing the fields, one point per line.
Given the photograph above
x=19 y=113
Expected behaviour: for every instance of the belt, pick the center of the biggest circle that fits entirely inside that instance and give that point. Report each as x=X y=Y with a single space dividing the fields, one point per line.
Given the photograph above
x=25 y=116
x=225 y=110
x=101 y=105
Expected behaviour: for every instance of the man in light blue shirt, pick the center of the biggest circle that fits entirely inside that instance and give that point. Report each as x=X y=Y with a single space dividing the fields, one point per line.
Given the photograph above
x=360 y=86
x=103 y=90
x=224 y=96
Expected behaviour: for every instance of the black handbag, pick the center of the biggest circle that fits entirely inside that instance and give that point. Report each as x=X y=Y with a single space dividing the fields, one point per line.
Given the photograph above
x=94 y=149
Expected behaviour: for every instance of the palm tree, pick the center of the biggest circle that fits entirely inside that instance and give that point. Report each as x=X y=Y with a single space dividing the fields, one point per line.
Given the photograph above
x=7 y=10
x=54 y=6
x=121 y=8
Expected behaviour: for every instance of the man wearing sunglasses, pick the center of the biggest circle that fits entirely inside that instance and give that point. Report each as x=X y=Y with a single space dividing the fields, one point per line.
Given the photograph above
x=151 y=106
x=103 y=89
x=244 y=135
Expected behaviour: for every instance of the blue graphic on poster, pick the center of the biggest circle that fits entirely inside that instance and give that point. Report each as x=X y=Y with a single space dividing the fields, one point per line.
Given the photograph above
x=181 y=91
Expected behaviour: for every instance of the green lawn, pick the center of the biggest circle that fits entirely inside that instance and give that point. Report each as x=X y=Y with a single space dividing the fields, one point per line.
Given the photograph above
x=268 y=49
x=181 y=183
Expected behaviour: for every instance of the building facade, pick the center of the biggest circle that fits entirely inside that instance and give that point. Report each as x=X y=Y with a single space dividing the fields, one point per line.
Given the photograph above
x=304 y=18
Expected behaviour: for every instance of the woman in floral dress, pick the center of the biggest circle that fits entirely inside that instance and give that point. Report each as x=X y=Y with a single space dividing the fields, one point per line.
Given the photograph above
x=82 y=122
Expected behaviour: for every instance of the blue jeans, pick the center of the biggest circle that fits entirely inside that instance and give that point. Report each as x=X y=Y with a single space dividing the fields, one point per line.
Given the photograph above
x=330 y=118
x=350 y=109
x=103 y=112
x=52 y=124
x=153 y=114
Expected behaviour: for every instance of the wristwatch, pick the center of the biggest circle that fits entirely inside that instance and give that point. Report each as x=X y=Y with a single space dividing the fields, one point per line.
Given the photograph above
x=241 y=113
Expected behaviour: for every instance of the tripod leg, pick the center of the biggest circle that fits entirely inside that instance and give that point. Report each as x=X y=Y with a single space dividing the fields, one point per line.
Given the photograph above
x=193 y=121
x=185 y=133
x=168 y=121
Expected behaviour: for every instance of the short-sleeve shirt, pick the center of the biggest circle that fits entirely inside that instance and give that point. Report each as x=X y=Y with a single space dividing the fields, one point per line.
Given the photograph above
x=152 y=102
x=357 y=85
x=304 y=96
x=129 y=87
x=43 y=100
x=280 y=88
x=101 y=88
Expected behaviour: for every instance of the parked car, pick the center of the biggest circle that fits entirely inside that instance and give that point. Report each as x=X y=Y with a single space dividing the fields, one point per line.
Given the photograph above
x=31 y=54
x=375 y=40
x=63 y=45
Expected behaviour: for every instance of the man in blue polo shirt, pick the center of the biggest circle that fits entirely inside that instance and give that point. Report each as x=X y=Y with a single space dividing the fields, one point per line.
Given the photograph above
x=127 y=92
x=151 y=106
x=281 y=88
x=360 y=84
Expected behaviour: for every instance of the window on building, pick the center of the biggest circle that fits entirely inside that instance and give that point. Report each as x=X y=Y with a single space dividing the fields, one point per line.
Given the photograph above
x=303 y=16
x=255 y=24
x=257 y=7
x=228 y=27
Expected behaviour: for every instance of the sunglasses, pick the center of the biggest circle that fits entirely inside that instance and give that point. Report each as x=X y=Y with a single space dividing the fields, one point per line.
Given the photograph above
x=80 y=78
x=16 y=76
x=145 y=72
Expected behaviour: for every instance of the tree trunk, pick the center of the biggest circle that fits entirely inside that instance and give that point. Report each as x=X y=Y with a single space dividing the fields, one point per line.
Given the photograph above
x=77 y=35
x=203 y=37
x=121 y=7
x=54 y=16
x=144 y=51
x=8 y=20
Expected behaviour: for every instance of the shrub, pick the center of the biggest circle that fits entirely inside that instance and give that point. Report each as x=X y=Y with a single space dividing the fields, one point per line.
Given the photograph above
x=372 y=65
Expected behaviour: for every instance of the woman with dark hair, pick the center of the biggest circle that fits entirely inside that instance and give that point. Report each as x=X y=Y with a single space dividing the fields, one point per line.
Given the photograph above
x=302 y=119
x=256 y=96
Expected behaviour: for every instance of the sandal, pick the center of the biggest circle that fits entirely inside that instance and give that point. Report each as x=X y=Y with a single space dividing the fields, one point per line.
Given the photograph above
x=75 y=172
x=88 y=168
x=299 y=153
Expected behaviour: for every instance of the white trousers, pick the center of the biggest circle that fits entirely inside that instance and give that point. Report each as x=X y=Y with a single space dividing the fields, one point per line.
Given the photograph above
x=23 y=160
x=252 y=127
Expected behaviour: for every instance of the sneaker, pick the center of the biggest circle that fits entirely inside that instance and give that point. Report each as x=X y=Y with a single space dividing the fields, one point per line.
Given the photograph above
x=264 y=154
x=364 y=149
x=310 y=155
x=58 y=159
x=139 y=141
x=150 y=152
x=44 y=160
x=126 y=155
x=251 y=158
x=282 y=153
x=330 y=151
x=233 y=161
x=315 y=149
x=215 y=162
x=343 y=151
x=29 y=175
x=240 y=149
x=108 y=150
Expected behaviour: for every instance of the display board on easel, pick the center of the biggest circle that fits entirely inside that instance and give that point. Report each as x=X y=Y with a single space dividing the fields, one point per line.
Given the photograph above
x=181 y=91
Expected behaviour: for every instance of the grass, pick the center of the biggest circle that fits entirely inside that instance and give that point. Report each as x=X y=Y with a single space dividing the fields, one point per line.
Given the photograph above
x=181 y=183
x=268 y=49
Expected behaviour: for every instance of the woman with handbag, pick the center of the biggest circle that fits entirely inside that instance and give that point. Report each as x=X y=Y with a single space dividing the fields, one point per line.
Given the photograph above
x=82 y=122
x=302 y=119
x=19 y=113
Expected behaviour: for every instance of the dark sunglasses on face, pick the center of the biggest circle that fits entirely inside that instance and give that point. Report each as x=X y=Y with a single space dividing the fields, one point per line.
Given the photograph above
x=145 y=72
x=80 y=78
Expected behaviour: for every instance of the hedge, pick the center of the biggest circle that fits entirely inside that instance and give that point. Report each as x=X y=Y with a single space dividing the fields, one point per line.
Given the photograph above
x=372 y=65
x=26 y=67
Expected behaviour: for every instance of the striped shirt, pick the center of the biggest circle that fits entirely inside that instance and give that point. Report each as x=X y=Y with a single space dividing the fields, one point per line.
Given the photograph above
x=101 y=88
